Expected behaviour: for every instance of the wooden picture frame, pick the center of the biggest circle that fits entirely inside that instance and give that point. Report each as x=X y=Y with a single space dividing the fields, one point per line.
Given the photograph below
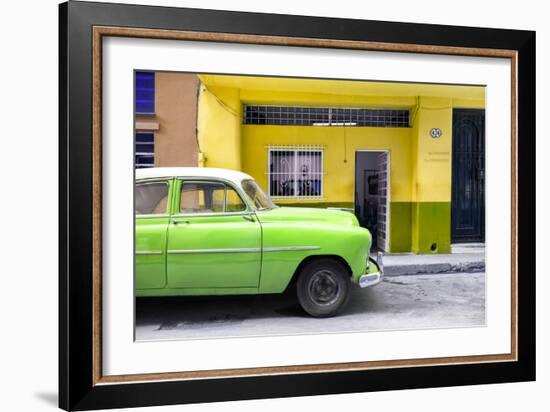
x=82 y=27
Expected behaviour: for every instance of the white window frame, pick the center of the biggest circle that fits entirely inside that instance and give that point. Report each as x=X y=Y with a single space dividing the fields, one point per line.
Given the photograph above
x=296 y=148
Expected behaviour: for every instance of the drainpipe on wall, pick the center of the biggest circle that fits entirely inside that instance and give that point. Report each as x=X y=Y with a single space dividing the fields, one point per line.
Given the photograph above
x=201 y=158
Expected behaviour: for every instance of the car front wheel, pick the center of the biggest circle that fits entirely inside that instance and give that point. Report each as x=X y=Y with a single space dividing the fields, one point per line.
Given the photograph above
x=323 y=288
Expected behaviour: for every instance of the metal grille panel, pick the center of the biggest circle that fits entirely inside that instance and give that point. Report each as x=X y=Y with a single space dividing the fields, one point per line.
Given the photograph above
x=295 y=172
x=324 y=116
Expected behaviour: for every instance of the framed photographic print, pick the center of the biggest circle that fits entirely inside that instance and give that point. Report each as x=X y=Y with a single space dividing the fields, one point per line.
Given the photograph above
x=256 y=205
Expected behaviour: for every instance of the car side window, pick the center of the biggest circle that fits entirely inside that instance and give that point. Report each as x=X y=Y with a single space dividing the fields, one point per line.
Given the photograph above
x=209 y=197
x=151 y=198
x=233 y=202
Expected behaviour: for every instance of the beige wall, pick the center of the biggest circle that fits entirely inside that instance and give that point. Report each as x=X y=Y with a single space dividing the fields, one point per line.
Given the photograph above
x=176 y=119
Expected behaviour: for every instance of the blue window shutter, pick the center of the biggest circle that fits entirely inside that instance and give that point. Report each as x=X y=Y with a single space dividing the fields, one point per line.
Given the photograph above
x=145 y=92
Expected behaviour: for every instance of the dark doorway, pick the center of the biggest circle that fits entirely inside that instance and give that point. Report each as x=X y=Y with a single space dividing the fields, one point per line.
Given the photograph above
x=371 y=194
x=468 y=178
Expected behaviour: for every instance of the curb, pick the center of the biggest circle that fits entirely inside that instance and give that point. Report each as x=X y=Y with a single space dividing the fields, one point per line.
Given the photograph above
x=434 y=268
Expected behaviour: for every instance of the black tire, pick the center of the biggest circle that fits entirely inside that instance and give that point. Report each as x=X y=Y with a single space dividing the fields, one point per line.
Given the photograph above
x=323 y=287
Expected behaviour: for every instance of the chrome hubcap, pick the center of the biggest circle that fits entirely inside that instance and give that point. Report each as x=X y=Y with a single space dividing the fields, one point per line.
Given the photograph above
x=323 y=288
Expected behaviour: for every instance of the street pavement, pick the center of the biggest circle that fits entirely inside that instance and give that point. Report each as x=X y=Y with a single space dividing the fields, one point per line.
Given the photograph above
x=400 y=302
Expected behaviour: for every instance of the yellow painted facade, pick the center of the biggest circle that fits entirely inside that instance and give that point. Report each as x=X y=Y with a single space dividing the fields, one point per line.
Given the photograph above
x=420 y=166
x=432 y=179
x=219 y=127
x=339 y=147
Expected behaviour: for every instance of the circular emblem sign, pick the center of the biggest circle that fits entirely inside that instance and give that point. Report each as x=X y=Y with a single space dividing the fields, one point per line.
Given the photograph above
x=436 y=132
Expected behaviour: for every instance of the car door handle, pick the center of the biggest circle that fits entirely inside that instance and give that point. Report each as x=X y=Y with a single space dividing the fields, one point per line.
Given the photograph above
x=177 y=221
x=249 y=218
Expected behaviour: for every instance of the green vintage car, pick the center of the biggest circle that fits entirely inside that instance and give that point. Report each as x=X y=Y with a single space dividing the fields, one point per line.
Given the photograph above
x=206 y=231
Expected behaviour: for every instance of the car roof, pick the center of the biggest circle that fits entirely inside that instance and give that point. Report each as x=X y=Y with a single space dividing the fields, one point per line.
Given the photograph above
x=159 y=172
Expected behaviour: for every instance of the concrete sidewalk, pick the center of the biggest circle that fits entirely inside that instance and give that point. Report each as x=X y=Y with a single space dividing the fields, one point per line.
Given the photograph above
x=397 y=265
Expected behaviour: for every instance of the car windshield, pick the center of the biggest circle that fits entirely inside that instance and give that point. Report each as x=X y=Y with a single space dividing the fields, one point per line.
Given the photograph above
x=257 y=196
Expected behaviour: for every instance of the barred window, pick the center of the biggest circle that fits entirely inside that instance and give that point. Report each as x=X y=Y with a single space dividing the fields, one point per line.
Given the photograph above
x=324 y=116
x=295 y=172
x=145 y=150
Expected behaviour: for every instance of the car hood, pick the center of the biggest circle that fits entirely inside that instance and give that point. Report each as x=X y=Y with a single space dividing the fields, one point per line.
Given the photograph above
x=303 y=214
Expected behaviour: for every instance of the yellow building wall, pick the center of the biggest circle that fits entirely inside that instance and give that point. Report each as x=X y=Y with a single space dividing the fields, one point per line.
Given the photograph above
x=340 y=145
x=219 y=127
x=286 y=98
x=432 y=172
x=272 y=87
x=407 y=208
x=420 y=166
x=432 y=177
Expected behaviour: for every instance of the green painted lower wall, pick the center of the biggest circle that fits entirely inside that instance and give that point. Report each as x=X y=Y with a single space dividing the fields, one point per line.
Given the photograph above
x=400 y=227
x=420 y=227
x=431 y=227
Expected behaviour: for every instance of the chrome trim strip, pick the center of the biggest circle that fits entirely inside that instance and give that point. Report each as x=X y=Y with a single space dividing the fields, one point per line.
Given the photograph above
x=152 y=216
x=243 y=250
x=237 y=250
x=191 y=215
x=149 y=252
x=291 y=248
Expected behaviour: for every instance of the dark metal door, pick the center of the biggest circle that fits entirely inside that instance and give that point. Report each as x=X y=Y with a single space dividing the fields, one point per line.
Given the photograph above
x=468 y=176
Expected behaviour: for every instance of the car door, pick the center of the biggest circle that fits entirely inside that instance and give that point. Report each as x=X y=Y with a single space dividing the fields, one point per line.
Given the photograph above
x=152 y=216
x=214 y=241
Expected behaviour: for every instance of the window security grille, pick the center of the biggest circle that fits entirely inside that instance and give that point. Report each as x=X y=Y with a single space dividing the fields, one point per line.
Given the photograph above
x=145 y=150
x=324 y=116
x=295 y=173
x=145 y=92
